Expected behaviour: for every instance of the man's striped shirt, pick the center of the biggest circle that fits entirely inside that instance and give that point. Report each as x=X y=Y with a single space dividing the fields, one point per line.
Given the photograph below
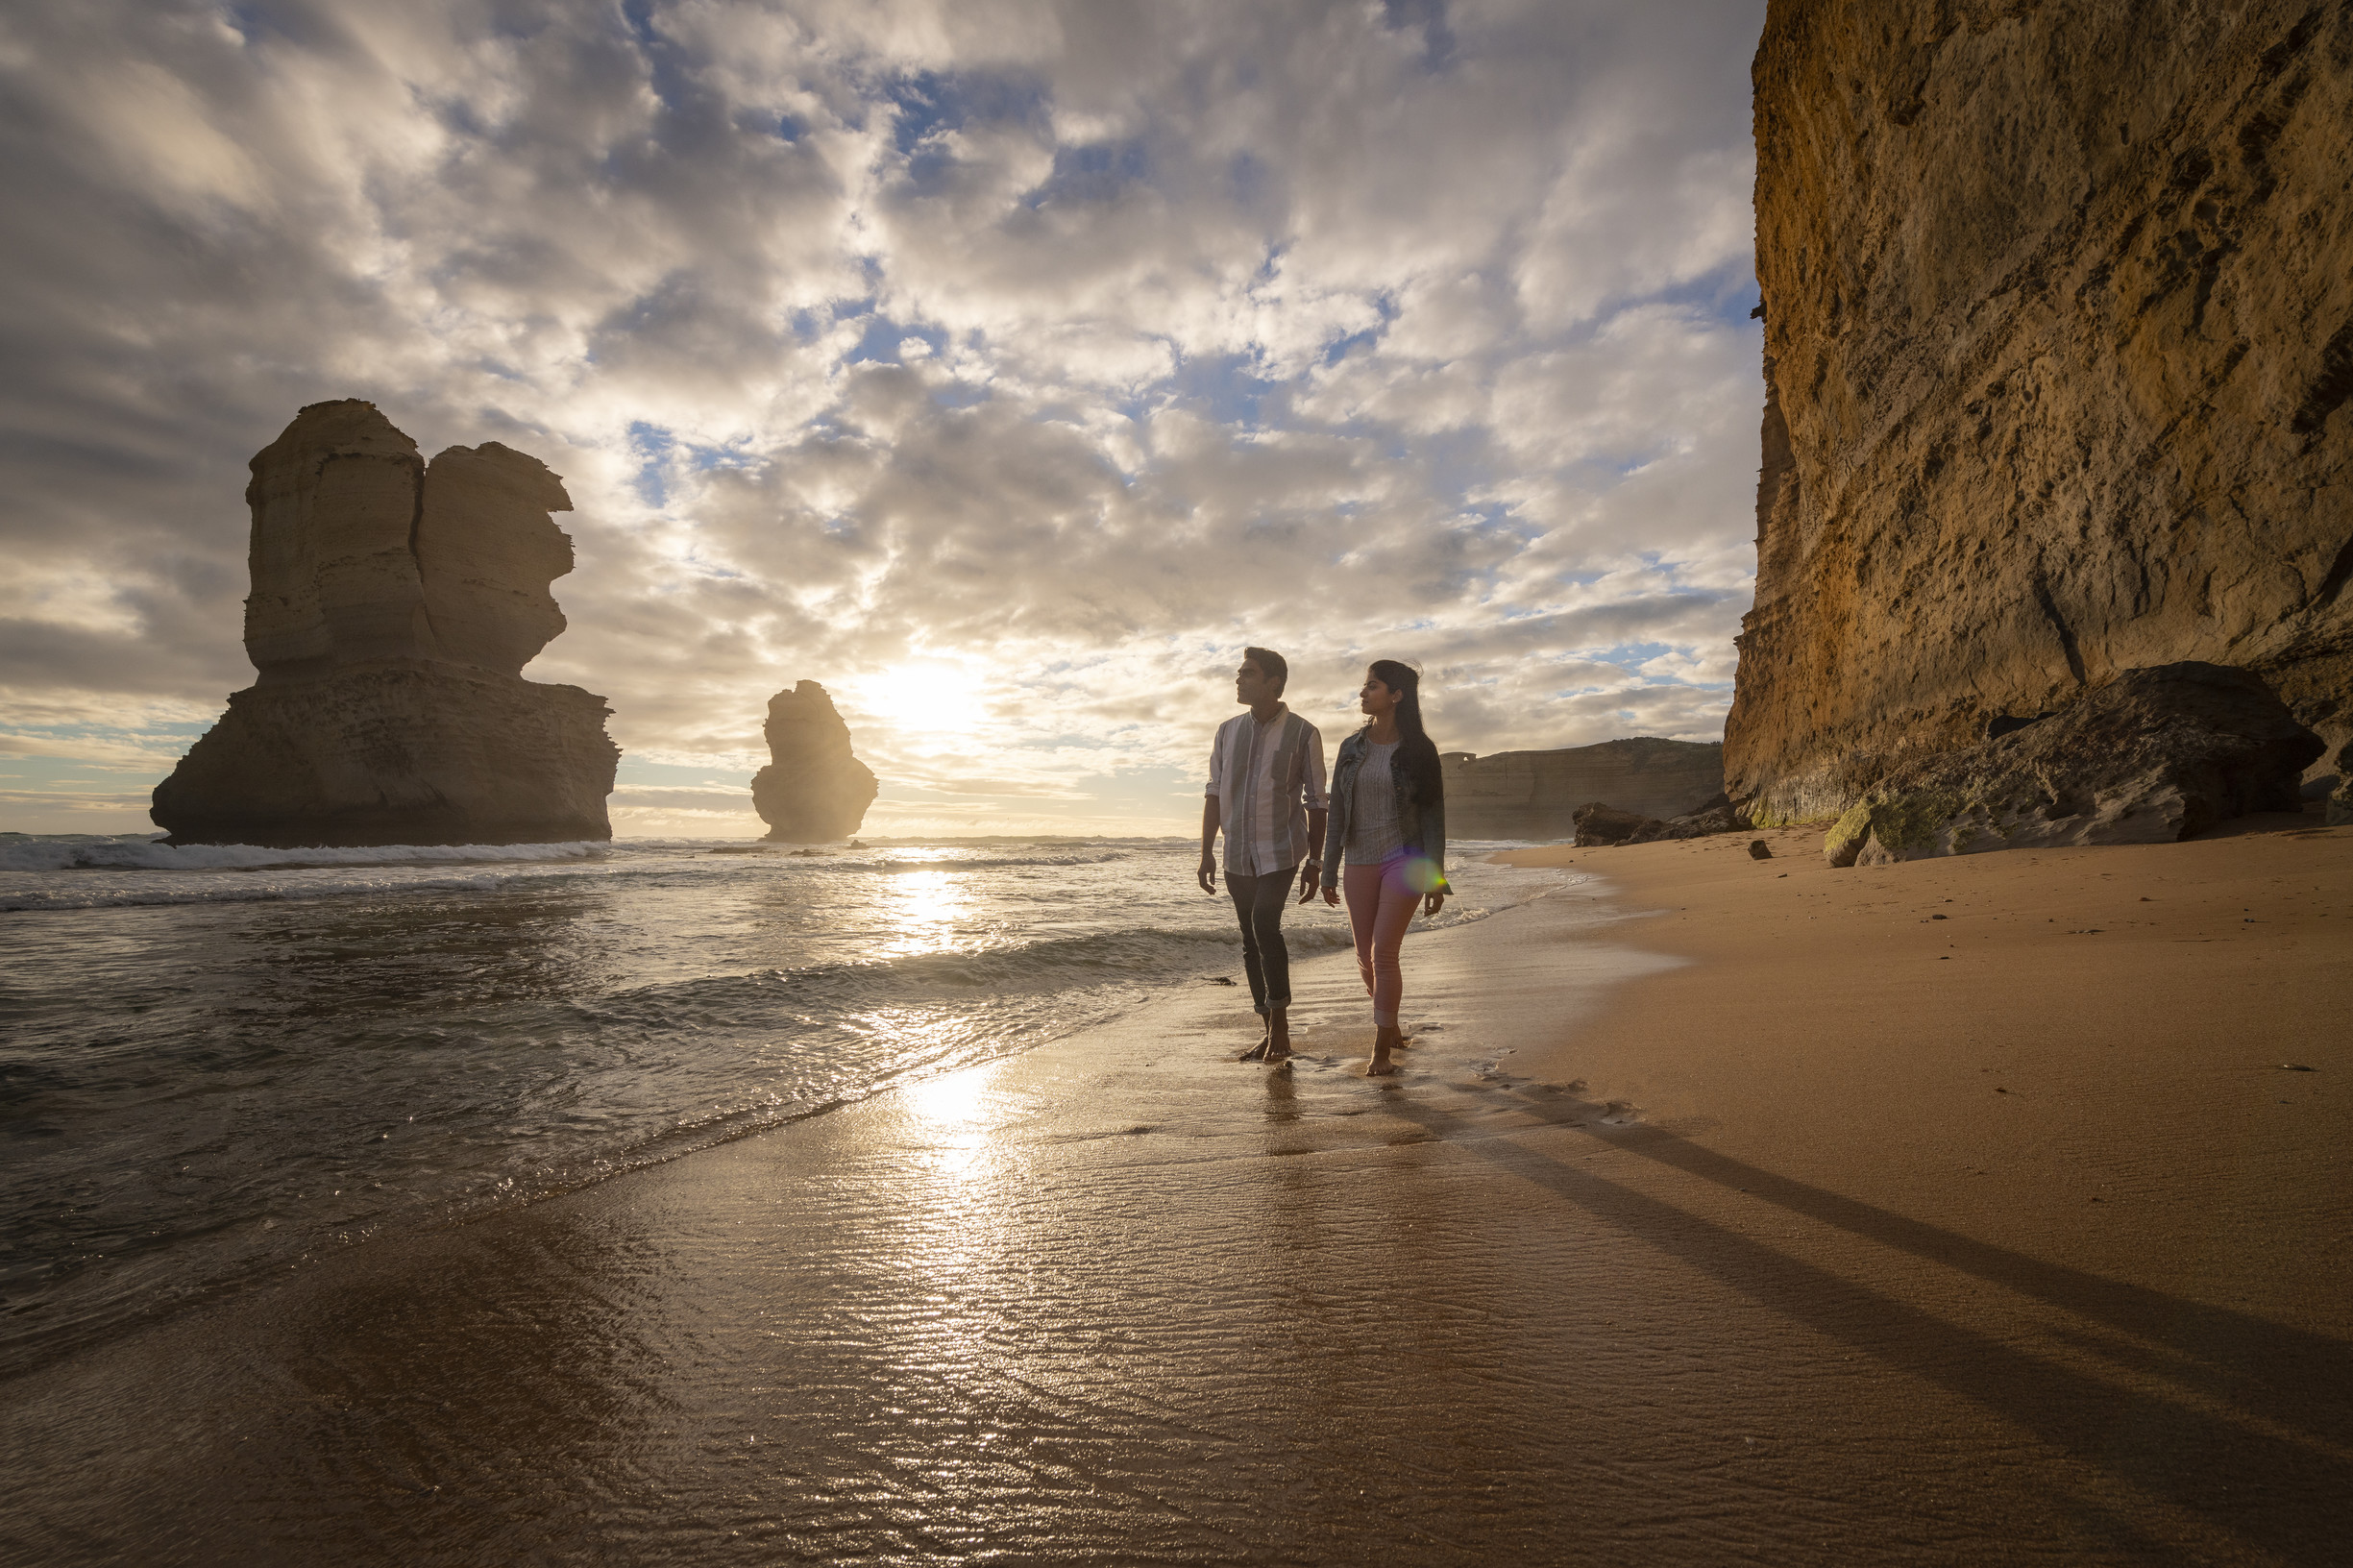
x=1266 y=778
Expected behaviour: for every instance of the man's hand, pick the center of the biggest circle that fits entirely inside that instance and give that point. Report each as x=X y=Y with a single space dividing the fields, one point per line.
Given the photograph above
x=1210 y=814
x=1307 y=872
x=1433 y=902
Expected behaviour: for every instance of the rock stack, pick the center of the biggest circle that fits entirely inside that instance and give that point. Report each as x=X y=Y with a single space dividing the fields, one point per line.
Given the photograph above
x=813 y=791
x=394 y=606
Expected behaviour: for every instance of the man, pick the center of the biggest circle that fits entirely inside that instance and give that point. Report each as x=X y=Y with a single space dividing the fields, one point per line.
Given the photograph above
x=1267 y=789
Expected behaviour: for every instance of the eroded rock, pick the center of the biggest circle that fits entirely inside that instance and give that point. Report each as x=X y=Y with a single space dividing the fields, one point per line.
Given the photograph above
x=336 y=502
x=814 y=790
x=489 y=551
x=2153 y=757
x=2059 y=368
x=394 y=605
x=1598 y=825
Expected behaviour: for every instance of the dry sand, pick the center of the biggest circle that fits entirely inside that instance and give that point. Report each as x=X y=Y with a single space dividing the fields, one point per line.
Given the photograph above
x=2087 y=1052
x=1686 y=1237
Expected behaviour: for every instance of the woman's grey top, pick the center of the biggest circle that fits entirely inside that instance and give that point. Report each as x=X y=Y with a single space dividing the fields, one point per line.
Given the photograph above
x=1374 y=832
x=1421 y=813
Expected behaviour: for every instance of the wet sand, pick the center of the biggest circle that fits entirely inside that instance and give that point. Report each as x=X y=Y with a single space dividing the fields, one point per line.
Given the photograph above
x=1696 y=1231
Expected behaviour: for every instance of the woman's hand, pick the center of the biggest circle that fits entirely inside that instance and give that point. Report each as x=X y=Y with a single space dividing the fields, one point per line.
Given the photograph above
x=1433 y=902
x=1331 y=896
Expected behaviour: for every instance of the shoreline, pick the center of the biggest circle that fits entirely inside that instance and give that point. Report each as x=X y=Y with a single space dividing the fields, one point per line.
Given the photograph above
x=1588 y=1284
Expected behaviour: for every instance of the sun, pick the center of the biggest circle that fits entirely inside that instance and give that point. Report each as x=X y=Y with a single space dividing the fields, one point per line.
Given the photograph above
x=921 y=697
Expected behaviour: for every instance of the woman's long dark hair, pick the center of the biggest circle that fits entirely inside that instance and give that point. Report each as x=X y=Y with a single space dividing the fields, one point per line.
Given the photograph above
x=1415 y=747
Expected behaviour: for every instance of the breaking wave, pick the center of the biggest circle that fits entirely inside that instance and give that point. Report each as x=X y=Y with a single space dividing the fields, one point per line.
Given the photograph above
x=136 y=852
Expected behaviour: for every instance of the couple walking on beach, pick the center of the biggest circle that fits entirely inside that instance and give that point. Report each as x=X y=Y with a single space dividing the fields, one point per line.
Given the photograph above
x=1383 y=822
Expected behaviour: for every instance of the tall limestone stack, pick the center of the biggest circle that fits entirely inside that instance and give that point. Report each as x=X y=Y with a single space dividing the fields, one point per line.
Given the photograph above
x=394 y=606
x=813 y=790
x=2059 y=364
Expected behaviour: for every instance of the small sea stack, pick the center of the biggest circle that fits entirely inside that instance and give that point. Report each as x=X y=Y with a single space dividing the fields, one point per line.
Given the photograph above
x=814 y=790
x=394 y=605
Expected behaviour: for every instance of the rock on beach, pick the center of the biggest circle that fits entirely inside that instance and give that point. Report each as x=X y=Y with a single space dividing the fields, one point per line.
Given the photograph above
x=2155 y=756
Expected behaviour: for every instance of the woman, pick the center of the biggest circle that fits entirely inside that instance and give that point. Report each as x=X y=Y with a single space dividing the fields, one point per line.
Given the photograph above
x=1388 y=820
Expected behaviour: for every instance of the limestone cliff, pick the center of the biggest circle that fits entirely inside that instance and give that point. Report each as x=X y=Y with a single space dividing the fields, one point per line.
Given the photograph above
x=813 y=788
x=394 y=605
x=2059 y=364
x=1535 y=795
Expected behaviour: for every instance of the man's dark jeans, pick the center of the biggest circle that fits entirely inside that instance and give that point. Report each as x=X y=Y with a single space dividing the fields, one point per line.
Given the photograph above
x=1258 y=901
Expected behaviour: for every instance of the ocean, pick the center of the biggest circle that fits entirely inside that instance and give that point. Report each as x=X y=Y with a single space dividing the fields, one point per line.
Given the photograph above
x=219 y=1064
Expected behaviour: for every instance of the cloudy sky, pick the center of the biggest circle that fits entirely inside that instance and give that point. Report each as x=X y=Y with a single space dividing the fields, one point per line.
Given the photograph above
x=1004 y=365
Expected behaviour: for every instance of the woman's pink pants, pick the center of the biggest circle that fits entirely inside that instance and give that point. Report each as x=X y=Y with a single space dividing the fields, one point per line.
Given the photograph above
x=1379 y=908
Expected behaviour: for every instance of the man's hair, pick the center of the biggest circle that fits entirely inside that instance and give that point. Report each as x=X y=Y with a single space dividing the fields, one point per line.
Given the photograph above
x=1271 y=664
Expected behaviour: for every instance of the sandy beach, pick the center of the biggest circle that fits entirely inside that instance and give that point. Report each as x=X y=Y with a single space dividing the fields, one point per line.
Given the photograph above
x=1726 y=1210
x=2093 y=1051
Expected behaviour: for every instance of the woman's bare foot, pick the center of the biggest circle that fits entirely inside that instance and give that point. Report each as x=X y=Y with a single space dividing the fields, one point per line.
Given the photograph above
x=1386 y=1039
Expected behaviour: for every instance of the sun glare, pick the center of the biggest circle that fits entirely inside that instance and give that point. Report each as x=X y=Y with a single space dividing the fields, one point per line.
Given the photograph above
x=920 y=910
x=952 y=1101
x=922 y=697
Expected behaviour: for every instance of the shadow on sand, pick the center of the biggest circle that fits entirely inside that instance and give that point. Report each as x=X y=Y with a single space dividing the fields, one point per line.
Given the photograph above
x=2254 y=1435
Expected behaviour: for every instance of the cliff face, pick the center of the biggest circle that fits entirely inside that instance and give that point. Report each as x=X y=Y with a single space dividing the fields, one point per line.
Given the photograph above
x=1533 y=795
x=394 y=606
x=2059 y=363
x=813 y=788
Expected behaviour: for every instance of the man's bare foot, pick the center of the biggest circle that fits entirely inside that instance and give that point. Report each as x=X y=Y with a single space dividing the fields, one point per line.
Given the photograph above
x=1258 y=1052
x=1278 y=1036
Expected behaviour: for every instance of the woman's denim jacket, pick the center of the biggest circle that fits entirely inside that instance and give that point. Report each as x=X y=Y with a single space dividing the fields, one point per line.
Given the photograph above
x=1423 y=828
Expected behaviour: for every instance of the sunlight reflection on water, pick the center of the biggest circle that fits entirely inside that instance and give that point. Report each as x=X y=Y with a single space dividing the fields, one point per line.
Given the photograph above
x=213 y=1073
x=953 y=1101
x=921 y=913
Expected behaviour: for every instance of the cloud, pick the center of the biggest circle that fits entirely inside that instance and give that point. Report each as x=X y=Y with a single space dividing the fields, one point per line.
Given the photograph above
x=106 y=752
x=1062 y=347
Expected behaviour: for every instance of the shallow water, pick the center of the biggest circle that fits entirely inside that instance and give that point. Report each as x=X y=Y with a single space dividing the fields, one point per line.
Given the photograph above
x=1124 y=1300
x=216 y=1061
